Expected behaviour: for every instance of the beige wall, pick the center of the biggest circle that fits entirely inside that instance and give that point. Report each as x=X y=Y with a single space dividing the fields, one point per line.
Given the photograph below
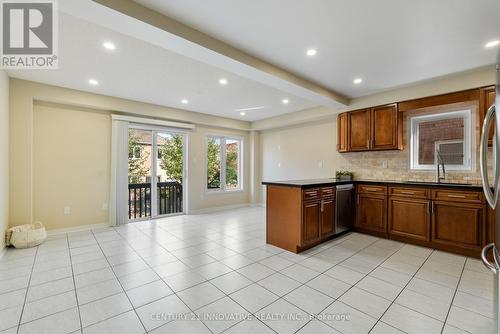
x=71 y=165
x=38 y=111
x=4 y=155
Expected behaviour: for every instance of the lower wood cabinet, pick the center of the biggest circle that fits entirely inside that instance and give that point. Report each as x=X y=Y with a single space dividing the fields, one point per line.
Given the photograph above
x=409 y=218
x=371 y=212
x=459 y=224
x=311 y=223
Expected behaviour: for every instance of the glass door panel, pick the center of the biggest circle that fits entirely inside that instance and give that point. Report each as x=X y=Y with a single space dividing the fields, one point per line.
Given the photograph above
x=169 y=173
x=139 y=173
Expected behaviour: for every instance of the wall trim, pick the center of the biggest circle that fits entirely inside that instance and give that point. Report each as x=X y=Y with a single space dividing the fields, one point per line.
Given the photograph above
x=78 y=228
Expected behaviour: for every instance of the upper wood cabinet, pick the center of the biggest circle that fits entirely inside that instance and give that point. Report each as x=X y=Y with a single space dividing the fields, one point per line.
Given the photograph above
x=358 y=130
x=378 y=128
x=342 y=132
x=384 y=128
x=486 y=100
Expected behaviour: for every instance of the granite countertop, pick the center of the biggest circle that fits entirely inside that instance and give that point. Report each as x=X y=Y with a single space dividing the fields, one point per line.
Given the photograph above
x=331 y=182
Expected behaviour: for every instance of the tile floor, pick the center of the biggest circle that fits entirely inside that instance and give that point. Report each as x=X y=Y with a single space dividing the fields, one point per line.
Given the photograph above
x=214 y=273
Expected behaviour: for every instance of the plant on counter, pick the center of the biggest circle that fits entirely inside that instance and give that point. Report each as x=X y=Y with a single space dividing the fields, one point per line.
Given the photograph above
x=344 y=175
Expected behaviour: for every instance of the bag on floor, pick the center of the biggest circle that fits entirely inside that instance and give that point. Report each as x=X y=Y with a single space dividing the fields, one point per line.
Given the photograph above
x=26 y=236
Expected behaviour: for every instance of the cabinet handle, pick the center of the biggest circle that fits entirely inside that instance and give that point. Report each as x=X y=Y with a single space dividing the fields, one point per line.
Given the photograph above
x=429 y=208
x=370 y=189
x=322 y=204
x=407 y=192
x=456 y=196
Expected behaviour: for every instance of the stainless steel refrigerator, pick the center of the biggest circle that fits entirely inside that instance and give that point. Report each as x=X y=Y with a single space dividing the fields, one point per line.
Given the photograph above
x=490 y=254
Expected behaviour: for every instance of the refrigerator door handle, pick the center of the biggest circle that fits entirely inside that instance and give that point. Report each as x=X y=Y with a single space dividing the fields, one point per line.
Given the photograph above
x=493 y=267
x=491 y=197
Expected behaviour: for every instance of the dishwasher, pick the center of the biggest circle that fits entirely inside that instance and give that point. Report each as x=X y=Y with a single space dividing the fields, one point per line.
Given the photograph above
x=344 y=204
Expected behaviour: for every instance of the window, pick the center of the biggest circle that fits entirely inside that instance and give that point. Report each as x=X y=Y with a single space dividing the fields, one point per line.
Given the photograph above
x=223 y=163
x=135 y=152
x=442 y=137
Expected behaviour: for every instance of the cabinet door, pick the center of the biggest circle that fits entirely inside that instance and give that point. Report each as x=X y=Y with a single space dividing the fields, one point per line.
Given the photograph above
x=371 y=212
x=342 y=133
x=459 y=224
x=384 y=127
x=311 y=223
x=327 y=217
x=486 y=100
x=409 y=218
x=359 y=130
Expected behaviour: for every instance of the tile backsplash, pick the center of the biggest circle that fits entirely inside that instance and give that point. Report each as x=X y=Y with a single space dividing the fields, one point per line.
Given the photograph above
x=395 y=165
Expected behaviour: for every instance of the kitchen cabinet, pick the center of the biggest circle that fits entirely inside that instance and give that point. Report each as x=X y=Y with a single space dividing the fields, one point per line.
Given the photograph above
x=371 y=209
x=409 y=218
x=298 y=219
x=449 y=218
x=487 y=97
x=342 y=132
x=459 y=225
x=358 y=130
x=409 y=213
x=311 y=223
x=372 y=129
x=385 y=134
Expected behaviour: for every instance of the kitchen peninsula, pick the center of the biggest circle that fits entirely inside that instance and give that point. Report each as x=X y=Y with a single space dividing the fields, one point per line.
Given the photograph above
x=448 y=216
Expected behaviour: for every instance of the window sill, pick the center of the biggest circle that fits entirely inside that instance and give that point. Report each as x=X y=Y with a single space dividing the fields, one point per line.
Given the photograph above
x=223 y=192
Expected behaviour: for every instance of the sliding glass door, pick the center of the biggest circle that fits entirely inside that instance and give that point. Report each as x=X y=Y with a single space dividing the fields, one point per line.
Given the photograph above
x=156 y=172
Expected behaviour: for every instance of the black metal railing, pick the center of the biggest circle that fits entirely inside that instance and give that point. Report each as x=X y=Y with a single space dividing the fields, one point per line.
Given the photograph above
x=139 y=199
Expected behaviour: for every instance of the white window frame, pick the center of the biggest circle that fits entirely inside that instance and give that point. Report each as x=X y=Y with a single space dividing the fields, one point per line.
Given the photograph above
x=136 y=156
x=468 y=139
x=222 y=189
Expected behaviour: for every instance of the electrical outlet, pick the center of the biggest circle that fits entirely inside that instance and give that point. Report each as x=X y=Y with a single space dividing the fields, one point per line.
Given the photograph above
x=385 y=164
x=104 y=206
x=320 y=164
x=67 y=210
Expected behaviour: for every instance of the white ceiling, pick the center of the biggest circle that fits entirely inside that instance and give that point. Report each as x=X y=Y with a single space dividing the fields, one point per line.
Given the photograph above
x=388 y=43
x=140 y=71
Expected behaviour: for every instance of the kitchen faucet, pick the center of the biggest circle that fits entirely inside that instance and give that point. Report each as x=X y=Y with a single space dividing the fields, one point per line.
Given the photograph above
x=440 y=162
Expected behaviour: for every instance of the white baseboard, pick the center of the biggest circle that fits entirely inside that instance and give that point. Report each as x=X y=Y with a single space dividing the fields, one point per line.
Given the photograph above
x=78 y=228
x=223 y=208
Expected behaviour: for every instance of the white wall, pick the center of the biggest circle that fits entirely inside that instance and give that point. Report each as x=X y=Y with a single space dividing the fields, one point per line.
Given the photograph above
x=4 y=155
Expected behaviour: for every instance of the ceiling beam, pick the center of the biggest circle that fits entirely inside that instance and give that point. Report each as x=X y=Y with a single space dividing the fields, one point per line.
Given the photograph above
x=270 y=74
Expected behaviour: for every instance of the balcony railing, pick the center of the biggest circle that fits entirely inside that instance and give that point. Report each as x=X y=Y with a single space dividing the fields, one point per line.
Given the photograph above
x=139 y=199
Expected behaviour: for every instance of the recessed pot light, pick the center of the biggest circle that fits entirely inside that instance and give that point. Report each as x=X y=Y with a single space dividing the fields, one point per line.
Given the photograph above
x=285 y=101
x=491 y=44
x=184 y=101
x=109 y=46
x=242 y=113
x=93 y=82
x=223 y=81
x=357 y=81
x=311 y=52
